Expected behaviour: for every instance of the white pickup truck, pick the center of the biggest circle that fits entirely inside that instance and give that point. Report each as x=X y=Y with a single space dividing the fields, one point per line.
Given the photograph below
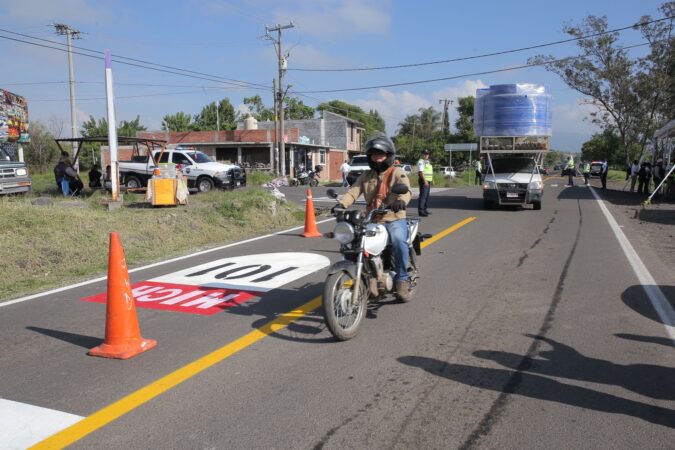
x=201 y=171
x=513 y=180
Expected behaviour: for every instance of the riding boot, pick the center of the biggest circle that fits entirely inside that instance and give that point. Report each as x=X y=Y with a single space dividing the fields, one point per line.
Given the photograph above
x=403 y=290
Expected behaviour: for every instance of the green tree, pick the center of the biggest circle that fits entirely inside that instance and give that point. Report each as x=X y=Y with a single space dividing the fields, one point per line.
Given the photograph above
x=208 y=119
x=464 y=122
x=633 y=96
x=421 y=131
x=603 y=145
x=94 y=128
x=180 y=122
x=129 y=128
x=42 y=150
x=295 y=109
x=99 y=128
x=258 y=108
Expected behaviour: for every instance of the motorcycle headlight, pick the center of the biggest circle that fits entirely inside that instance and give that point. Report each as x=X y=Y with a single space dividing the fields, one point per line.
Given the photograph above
x=535 y=185
x=21 y=172
x=344 y=232
x=489 y=185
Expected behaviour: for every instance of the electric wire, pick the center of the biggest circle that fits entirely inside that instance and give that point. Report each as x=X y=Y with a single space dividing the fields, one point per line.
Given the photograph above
x=485 y=55
x=455 y=77
x=119 y=58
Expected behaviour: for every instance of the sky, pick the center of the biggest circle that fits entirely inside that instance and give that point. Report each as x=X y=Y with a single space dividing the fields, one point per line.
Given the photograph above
x=225 y=41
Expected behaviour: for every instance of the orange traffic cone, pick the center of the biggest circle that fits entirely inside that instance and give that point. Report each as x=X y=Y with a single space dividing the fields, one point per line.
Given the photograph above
x=122 y=335
x=310 y=221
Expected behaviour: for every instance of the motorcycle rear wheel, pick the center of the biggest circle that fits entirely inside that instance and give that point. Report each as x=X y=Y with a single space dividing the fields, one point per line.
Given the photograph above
x=342 y=317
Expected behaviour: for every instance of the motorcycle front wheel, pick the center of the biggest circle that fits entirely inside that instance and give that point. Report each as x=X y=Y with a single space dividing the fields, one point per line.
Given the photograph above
x=343 y=317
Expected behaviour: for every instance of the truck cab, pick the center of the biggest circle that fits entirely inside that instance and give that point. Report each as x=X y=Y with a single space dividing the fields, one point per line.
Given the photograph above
x=14 y=177
x=512 y=180
x=201 y=171
x=357 y=166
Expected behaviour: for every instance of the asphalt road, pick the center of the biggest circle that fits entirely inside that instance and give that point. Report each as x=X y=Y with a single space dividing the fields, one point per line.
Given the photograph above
x=530 y=329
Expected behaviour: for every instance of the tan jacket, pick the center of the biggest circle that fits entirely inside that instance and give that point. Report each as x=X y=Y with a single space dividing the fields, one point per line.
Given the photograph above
x=366 y=184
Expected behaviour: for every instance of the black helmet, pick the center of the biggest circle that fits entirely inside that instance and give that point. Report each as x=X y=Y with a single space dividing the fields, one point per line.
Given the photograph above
x=380 y=143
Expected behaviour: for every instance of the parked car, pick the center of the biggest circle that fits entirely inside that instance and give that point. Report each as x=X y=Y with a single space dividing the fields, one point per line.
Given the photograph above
x=596 y=169
x=407 y=168
x=448 y=171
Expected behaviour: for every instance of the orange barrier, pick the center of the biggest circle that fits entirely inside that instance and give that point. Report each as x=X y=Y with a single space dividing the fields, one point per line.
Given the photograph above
x=122 y=335
x=310 y=220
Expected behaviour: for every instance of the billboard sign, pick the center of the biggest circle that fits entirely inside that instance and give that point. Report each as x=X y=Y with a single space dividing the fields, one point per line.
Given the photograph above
x=13 y=118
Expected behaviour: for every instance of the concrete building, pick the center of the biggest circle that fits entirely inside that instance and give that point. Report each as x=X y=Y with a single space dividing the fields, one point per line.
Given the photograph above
x=341 y=136
x=254 y=148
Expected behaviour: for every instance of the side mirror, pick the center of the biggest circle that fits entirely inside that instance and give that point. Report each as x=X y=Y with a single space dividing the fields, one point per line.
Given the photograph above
x=399 y=189
x=331 y=193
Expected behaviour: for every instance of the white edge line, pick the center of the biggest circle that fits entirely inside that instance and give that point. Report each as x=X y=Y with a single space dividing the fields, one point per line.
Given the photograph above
x=656 y=296
x=137 y=269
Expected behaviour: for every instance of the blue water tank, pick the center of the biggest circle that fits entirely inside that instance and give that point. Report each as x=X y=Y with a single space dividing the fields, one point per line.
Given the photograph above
x=513 y=110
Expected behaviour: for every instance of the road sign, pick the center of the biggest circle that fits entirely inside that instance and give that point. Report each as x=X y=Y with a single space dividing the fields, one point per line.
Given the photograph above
x=470 y=146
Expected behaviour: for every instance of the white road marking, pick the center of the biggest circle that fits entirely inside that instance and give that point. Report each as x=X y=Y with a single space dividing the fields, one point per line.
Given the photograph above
x=656 y=296
x=278 y=269
x=24 y=425
x=554 y=185
x=157 y=264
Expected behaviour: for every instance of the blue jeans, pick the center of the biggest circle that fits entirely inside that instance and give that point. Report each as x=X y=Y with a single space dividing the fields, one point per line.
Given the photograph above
x=65 y=186
x=345 y=183
x=424 y=197
x=398 y=236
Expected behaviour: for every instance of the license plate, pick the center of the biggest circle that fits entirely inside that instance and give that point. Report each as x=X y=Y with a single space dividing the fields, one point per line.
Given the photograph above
x=511 y=195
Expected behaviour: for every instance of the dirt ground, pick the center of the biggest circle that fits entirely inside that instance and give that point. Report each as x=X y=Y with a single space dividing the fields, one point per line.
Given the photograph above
x=652 y=225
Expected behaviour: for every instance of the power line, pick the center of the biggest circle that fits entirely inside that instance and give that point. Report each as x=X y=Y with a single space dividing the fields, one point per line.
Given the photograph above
x=117 y=96
x=38 y=83
x=433 y=80
x=172 y=68
x=485 y=55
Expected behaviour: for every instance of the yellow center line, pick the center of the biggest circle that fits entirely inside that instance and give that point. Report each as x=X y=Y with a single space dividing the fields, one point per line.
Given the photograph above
x=115 y=410
x=447 y=231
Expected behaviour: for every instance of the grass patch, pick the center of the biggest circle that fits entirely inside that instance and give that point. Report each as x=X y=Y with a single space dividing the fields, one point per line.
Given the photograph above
x=463 y=179
x=54 y=245
x=258 y=178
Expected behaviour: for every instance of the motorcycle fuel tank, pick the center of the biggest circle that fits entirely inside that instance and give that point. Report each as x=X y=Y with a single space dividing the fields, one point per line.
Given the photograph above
x=375 y=239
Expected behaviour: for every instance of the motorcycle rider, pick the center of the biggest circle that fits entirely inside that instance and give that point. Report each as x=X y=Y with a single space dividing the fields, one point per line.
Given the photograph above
x=375 y=185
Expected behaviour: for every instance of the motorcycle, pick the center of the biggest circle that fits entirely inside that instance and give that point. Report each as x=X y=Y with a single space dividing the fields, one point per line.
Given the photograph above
x=366 y=271
x=307 y=178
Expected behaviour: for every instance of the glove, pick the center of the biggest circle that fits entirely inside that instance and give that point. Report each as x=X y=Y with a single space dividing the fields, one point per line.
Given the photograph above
x=398 y=205
x=332 y=210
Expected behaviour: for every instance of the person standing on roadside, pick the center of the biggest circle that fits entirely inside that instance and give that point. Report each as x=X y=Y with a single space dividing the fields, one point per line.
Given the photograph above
x=479 y=171
x=659 y=173
x=570 y=171
x=634 y=169
x=603 y=173
x=425 y=172
x=644 y=177
x=586 y=171
x=344 y=168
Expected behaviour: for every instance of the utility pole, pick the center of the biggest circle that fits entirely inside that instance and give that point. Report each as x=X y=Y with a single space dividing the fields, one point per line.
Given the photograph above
x=70 y=33
x=282 y=61
x=445 y=101
x=275 y=158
